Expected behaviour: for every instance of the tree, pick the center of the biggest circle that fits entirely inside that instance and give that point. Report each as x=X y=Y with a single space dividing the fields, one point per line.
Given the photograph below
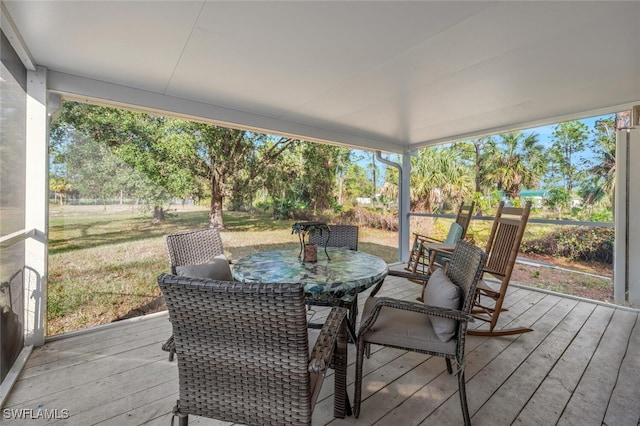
x=472 y=154
x=306 y=177
x=356 y=182
x=180 y=156
x=513 y=162
x=568 y=140
x=60 y=187
x=602 y=167
x=438 y=175
x=151 y=145
x=322 y=165
x=94 y=171
x=558 y=199
x=227 y=155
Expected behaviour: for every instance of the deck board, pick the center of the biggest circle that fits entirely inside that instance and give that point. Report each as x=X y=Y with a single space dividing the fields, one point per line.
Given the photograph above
x=624 y=406
x=599 y=376
x=580 y=365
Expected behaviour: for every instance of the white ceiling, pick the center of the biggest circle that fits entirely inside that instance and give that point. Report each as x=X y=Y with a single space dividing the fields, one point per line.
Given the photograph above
x=385 y=75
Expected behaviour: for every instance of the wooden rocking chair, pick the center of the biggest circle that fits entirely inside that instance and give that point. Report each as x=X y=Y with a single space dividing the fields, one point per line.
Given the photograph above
x=502 y=250
x=419 y=257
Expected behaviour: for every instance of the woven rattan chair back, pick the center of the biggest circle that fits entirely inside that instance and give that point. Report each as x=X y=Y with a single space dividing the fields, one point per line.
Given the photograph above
x=465 y=269
x=502 y=250
x=341 y=236
x=243 y=351
x=193 y=247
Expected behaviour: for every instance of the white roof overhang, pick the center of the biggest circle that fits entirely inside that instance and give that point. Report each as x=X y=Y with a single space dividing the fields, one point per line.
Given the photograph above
x=391 y=76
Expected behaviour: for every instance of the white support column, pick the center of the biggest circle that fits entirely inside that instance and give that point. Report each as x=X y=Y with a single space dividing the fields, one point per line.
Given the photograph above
x=36 y=207
x=404 y=206
x=626 y=269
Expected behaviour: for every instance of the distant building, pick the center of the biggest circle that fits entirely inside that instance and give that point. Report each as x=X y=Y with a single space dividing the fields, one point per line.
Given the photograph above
x=536 y=196
x=365 y=201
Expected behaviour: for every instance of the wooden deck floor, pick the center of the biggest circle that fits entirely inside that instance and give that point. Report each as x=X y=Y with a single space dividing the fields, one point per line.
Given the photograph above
x=580 y=366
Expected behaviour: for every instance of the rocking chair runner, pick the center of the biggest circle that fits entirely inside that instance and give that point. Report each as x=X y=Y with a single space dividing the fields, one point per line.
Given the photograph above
x=502 y=250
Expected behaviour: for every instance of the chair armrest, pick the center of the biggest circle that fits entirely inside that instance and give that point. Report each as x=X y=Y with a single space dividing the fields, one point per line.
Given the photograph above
x=441 y=248
x=414 y=307
x=431 y=240
x=322 y=352
x=409 y=275
x=427 y=238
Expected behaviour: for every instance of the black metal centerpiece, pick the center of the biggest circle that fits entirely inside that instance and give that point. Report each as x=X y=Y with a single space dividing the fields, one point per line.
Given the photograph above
x=305 y=229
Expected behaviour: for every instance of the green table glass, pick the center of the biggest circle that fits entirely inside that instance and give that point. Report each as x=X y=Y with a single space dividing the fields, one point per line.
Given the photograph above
x=331 y=278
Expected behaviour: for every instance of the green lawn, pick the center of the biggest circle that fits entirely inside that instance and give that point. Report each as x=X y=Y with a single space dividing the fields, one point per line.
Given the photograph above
x=103 y=264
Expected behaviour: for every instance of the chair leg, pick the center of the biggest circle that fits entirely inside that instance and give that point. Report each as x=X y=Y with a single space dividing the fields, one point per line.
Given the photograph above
x=449 y=369
x=357 y=395
x=353 y=311
x=341 y=405
x=421 y=298
x=463 y=396
x=170 y=346
x=183 y=419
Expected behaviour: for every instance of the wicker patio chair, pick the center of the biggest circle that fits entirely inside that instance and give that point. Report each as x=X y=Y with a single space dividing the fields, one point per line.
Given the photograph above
x=233 y=370
x=341 y=236
x=190 y=249
x=193 y=247
x=437 y=327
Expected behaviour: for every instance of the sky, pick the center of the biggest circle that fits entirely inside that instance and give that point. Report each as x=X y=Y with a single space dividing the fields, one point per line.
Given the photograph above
x=545 y=136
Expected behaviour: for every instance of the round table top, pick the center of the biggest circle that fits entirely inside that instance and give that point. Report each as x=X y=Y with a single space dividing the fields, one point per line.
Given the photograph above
x=347 y=272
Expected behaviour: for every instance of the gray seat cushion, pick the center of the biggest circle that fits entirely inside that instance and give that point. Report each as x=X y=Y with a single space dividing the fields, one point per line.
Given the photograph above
x=216 y=269
x=441 y=292
x=406 y=329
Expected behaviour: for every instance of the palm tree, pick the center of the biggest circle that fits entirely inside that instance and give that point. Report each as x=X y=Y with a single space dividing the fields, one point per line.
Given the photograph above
x=515 y=161
x=601 y=186
x=438 y=175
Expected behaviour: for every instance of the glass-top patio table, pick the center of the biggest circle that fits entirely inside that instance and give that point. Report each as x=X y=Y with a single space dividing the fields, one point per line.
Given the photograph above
x=346 y=273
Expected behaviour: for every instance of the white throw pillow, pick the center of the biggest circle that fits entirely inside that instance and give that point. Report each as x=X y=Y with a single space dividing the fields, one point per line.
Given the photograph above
x=441 y=292
x=216 y=269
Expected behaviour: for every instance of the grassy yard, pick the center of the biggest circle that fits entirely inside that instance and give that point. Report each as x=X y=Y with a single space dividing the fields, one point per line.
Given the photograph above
x=103 y=263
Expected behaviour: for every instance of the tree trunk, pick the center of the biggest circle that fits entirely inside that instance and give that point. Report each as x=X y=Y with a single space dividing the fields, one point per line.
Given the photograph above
x=477 y=145
x=158 y=214
x=215 y=211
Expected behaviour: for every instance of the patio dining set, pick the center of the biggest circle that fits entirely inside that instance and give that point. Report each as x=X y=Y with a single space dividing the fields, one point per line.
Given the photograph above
x=248 y=351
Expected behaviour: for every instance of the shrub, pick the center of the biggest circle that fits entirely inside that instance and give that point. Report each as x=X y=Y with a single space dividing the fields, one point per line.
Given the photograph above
x=364 y=217
x=601 y=216
x=580 y=243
